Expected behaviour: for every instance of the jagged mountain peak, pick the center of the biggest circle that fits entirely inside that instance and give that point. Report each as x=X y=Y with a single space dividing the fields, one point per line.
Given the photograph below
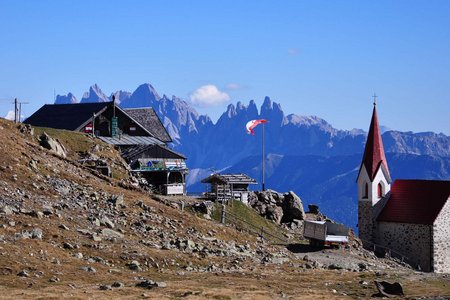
x=272 y=111
x=66 y=99
x=144 y=96
x=120 y=96
x=267 y=104
x=240 y=106
x=305 y=120
x=252 y=109
x=231 y=111
x=94 y=94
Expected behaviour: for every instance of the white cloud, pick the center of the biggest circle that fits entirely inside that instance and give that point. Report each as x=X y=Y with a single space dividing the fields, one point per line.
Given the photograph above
x=233 y=86
x=10 y=115
x=208 y=95
x=293 y=51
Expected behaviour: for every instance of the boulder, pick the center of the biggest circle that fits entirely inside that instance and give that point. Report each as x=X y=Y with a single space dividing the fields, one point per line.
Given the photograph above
x=274 y=213
x=292 y=207
x=313 y=209
x=36 y=233
x=7 y=210
x=110 y=234
x=52 y=144
x=204 y=207
x=116 y=200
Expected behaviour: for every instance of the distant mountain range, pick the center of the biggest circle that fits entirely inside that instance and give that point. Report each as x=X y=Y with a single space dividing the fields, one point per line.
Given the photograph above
x=303 y=153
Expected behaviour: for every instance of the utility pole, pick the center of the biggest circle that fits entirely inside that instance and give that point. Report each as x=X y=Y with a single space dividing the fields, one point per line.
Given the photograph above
x=15 y=110
x=20 y=109
x=263 y=159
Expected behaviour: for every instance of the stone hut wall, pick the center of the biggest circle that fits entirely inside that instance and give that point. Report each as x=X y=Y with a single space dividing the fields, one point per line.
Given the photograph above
x=441 y=240
x=411 y=240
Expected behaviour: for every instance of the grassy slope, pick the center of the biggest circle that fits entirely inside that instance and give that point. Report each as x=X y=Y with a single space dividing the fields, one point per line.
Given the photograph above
x=256 y=222
x=77 y=143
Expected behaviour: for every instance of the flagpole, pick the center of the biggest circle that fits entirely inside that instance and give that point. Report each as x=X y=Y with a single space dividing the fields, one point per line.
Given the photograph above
x=263 y=188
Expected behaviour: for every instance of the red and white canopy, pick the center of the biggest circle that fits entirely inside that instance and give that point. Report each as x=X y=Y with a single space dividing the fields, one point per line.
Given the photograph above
x=252 y=124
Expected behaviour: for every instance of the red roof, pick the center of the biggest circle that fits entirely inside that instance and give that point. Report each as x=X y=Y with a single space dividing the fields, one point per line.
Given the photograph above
x=374 y=152
x=415 y=201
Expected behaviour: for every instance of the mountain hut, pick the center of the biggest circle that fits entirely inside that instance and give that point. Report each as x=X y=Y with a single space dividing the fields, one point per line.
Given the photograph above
x=138 y=133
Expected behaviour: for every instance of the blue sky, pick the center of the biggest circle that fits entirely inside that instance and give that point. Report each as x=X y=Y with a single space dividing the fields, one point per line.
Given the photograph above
x=322 y=58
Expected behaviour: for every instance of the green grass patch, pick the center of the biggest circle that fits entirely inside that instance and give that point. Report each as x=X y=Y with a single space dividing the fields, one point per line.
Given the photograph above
x=247 y=219
x=73 y=141
x=77 y=143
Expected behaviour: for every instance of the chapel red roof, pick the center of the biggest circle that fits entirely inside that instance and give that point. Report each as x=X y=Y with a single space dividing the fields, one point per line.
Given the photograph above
x=415 y=201
x=374 y=152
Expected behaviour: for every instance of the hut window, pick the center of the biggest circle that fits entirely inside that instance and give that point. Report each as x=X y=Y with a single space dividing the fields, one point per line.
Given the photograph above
x=366 y=191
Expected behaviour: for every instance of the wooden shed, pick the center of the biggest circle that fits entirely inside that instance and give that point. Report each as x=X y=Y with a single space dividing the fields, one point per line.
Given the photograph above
x=224 y=187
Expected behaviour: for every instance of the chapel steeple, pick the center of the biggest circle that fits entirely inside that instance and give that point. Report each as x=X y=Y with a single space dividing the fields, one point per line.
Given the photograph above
x=374 y=156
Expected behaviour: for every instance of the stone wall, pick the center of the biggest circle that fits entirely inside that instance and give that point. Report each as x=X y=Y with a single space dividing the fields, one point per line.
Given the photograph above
x=365 y=221
x=411 y=240
x=441 y=241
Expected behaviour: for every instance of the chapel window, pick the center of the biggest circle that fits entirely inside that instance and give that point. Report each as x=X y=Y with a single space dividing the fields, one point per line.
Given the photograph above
x=366 y=191
x=380 y=190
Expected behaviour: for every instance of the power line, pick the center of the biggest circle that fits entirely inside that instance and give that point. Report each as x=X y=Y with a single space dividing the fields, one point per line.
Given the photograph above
x=18 y=109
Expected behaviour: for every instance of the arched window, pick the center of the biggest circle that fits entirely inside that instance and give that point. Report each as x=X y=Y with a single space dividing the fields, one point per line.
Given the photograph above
x=366 y=191
x=380 y=190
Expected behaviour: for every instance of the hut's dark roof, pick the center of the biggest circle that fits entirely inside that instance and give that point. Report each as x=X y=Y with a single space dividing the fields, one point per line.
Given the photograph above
x=230 y=178
x=65 y=116
x=148 y=118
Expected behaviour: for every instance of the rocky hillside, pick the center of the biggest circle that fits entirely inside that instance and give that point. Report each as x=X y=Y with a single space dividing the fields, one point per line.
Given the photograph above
x=69 y=232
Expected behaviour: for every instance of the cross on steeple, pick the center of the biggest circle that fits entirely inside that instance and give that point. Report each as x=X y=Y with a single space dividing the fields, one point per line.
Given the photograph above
x=374 y=99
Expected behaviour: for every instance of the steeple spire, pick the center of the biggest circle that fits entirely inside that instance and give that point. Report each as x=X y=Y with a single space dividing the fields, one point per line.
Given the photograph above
x=374 y=156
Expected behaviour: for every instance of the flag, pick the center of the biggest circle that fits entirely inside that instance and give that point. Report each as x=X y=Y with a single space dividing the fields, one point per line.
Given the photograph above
x=252 y=124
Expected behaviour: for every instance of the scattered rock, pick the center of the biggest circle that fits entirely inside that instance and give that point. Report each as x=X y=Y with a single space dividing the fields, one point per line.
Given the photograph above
x=53 y=279
x=205 y=207
x=117 y=284
x=88 y=269
x=313 y=209
x=52 y=144
x=105 y=287
x=335 y=267
x=389 y=289
x=116 y=200
x=68 y=246
x=47 y=210
x=105 y=221
x=110 y=234
x=147 y=284
x=23 y=273
x=134 y=265
x=7 y=210
x=36 y=233
x=62 y=226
